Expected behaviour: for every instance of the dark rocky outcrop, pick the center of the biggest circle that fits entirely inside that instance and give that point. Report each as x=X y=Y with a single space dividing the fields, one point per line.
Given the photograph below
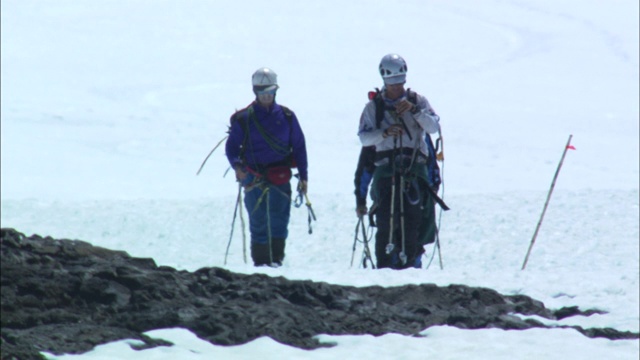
x=67 y=296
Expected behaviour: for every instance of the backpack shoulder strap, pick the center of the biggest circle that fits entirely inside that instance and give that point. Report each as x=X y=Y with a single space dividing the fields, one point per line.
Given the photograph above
x=287 y=114
x=376 y=97
x=412 y=96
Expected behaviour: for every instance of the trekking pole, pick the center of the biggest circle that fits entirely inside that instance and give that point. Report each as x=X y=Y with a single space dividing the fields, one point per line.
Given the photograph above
x=311 y=215
x=233 y=222
x=440 y=156
x=269 y=236
x=390 y=244
x=244 y=233
x=403 y=253
x=355 y=239
x=366 y=252
x=298 y=202
x=544 y=209
x=210 y=152
x=308 y=203
x=438 y=246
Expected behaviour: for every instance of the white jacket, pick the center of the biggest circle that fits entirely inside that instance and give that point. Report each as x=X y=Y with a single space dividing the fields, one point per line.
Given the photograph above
x=425 y=120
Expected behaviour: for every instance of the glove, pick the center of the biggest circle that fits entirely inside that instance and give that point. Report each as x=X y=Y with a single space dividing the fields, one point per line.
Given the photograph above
x=361 y=210
x=405 y=105
x=302 y=186
x=241 y=175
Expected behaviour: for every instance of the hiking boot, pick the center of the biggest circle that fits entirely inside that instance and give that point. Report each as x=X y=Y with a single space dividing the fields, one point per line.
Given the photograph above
x=260 y=254
x=277 y=248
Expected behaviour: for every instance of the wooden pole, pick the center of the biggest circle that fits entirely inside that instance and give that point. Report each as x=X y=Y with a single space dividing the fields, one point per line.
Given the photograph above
x=553 y=184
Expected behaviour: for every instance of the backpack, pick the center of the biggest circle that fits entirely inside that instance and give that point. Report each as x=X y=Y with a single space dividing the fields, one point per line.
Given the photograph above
x=433 y=168
x=239 y=115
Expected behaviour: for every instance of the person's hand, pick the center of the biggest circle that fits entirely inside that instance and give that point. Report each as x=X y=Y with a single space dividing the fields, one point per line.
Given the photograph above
x=394 y=130
x=361 y=210
x=405 y=105
x=302 y=186
x=240 y=174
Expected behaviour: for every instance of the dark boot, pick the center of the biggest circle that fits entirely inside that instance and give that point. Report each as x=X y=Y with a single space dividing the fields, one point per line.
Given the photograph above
x=277 y=250
x=260 y=254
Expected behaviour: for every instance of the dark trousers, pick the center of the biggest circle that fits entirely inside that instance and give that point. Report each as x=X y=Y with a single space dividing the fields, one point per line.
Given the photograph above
x=412 y=213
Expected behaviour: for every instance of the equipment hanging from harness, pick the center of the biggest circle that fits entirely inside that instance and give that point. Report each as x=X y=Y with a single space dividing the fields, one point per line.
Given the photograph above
x=433 y=169
x=275 y=173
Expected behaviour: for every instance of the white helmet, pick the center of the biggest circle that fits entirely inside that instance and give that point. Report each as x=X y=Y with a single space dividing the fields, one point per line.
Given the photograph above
x=264 y=79
x=393 y=69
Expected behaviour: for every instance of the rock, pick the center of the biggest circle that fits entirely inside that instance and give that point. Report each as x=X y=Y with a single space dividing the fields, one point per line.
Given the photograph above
x=66 y=296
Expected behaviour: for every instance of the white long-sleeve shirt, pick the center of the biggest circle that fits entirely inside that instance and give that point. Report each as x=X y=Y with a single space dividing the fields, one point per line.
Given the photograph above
x=418 y=124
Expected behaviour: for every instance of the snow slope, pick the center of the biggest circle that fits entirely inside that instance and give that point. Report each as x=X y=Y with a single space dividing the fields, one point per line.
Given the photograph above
x=109 y=108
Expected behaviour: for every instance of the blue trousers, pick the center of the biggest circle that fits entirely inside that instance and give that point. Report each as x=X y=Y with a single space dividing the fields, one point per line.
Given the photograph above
x=269 y=208
x=278 y=201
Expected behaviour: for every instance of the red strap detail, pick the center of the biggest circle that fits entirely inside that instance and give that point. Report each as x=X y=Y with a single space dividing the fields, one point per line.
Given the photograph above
x=251 y=171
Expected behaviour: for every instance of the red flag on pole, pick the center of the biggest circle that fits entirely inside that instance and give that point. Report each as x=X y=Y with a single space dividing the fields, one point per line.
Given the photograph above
x=544 y=209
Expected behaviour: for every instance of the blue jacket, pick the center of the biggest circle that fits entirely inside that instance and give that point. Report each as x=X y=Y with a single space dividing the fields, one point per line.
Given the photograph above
x=271 y=139
x=364 y=174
